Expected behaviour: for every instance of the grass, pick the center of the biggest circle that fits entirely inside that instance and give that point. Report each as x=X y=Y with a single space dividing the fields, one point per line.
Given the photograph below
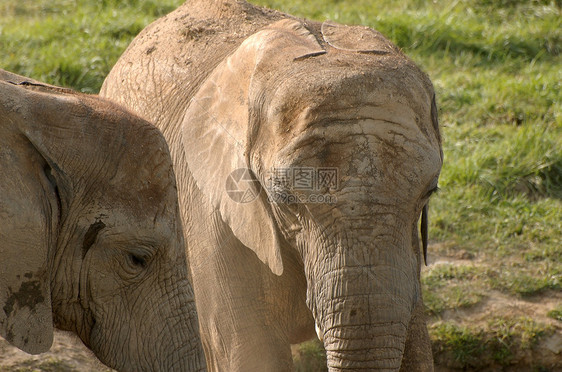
x=310 y=356
x=71 y=43
x=450 y=286
x=476 y=347
x=556 y=313
x=496 y=70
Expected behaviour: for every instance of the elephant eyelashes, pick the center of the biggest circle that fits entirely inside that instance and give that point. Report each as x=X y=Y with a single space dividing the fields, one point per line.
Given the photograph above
x=138 y=261
x=139 y=257
x=431 y=192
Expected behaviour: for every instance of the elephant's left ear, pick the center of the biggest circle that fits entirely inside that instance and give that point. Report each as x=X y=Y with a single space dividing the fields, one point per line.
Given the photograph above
x=218 y=129
x=25 y=293
x=26 y=231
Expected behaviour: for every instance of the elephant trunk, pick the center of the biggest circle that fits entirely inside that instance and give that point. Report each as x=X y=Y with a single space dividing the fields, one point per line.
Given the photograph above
x=183 y=354
x=374 y=340
x=178 y=346
x=159 y=333
x=364 y=304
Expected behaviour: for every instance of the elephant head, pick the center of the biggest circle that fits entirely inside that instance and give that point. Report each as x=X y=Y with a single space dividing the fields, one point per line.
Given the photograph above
x=356 y=120
x=91 y=240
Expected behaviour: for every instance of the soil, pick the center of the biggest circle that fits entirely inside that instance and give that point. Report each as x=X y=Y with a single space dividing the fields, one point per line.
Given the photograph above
x=69 y=354
x=545 y=356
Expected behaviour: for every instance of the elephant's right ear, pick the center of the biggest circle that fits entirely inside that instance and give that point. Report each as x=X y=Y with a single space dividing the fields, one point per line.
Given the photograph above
x=26 y=232
x=217 y=136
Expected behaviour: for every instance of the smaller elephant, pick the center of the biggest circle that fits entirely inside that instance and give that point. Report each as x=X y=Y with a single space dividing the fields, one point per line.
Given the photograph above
x=90 y=239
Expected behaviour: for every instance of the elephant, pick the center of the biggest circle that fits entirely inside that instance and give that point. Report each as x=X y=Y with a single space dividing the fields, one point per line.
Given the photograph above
x=305 y=154
x=91 y=238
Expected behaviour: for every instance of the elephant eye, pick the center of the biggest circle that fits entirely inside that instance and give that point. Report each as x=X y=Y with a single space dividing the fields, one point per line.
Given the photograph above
x=431 y=192
x=138 y=261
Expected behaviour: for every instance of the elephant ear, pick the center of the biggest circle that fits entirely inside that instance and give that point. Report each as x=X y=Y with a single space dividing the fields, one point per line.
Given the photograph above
x=26 y=233
x=217 y=134
x=15 y=79
x=359 y=39
x=52 y=141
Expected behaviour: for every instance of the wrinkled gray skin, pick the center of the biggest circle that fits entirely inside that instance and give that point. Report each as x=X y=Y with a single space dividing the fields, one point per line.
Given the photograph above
x=91 y=240
x=235 y=86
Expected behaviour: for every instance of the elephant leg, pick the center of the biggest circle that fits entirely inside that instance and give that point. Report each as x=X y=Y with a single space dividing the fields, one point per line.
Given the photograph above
x=417 y=354
x=240 y=326
x=238 y=351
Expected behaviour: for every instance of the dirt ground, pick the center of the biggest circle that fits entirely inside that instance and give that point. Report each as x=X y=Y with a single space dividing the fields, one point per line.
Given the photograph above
x=545 y=356
x=69 y=354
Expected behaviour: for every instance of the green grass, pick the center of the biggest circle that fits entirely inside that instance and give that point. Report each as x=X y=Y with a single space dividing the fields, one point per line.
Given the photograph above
x=556 y=313
x=496 y=70
x=476 y=347
x=71 y=43
x=450 y=286
x=310 y=356
x=466 y=345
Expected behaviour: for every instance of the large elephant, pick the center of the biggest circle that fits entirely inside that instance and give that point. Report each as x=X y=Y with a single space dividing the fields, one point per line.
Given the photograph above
x=305 y=153
x=91 y=238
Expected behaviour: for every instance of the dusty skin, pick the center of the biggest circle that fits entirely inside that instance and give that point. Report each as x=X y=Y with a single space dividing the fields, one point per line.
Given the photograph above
x=233 y=86
x=90 y=238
